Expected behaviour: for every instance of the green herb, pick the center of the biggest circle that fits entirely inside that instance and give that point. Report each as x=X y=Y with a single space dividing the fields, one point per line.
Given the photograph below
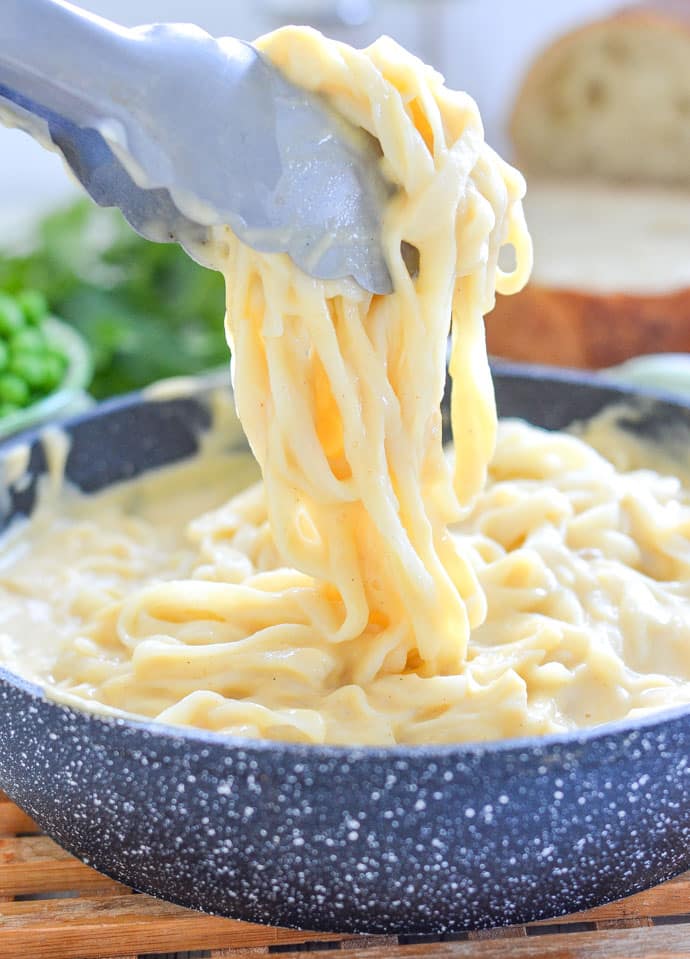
x=146 y=309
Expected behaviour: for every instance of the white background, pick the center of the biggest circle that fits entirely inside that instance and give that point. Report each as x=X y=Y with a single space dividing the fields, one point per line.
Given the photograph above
x=481 y=46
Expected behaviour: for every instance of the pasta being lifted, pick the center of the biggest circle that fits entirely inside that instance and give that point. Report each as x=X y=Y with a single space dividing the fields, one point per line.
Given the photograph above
x=339 y=391
x=332 y=601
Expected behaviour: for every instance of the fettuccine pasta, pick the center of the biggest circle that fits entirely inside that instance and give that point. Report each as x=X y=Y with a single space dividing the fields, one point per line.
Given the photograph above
x=370 y=588
x=339 y=392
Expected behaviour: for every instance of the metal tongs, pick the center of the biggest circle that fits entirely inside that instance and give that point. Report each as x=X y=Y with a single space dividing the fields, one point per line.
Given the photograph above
x=182 y=131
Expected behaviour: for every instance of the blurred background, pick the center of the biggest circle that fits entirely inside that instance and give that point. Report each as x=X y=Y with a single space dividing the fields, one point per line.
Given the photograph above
x=481 y=46
x=601 y=129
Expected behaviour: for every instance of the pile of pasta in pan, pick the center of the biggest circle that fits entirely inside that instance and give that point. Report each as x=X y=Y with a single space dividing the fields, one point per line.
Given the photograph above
x=371 y=587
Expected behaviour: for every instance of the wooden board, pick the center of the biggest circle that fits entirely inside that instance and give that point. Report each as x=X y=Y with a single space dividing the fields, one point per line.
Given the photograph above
x=54 y=907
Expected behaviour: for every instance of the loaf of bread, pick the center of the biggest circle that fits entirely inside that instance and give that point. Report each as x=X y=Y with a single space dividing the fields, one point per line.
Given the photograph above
x=601 y=128
x=611 y=99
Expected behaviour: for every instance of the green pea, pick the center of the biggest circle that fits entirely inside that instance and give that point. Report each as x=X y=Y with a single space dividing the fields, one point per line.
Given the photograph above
x=54 y=369
x=33 y=305
x=59 y=357
x=30 y=366
x=29 y=339
x=13 y=389
x=4 y=355
x=11 y=316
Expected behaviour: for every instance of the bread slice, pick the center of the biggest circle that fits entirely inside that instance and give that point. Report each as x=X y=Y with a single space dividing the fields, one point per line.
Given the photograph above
x=601 y=128
x=611 y=100
x=611 y=276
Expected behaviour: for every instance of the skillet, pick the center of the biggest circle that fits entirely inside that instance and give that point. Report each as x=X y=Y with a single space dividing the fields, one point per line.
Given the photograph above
x=378 y=840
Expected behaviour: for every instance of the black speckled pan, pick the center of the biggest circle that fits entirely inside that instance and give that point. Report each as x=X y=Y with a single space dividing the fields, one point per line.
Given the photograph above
x=421 y=839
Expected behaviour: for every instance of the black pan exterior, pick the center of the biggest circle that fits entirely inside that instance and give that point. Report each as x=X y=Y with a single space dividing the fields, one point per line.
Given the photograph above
x=403 y=839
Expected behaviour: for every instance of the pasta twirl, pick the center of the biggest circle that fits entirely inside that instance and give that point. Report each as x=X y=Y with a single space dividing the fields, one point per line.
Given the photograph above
x=339 y=392
x=370 y=588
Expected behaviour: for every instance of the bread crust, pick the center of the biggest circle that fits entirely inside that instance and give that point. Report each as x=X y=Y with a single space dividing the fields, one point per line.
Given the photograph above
x=587 y=330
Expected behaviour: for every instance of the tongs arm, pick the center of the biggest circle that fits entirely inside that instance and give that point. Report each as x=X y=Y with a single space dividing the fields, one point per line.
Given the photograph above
x=184 y=132
x=64 y=59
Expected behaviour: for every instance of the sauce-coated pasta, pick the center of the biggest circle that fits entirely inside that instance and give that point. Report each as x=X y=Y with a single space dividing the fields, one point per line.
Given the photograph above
x=370 y=588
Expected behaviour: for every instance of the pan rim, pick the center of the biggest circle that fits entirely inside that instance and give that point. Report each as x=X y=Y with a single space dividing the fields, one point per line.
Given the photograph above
x=205 y=384
x=567 y=741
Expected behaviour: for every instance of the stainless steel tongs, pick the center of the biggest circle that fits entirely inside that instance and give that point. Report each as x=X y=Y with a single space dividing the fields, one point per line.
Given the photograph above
x=182 y=131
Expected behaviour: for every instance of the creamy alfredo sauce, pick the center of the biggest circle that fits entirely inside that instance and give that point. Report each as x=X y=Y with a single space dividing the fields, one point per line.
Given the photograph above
x=585 y=571
x=368 y=589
